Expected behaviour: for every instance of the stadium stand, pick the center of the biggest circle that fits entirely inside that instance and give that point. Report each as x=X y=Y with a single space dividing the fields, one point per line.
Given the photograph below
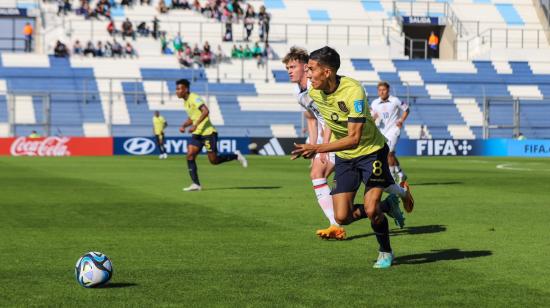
x=506 y=42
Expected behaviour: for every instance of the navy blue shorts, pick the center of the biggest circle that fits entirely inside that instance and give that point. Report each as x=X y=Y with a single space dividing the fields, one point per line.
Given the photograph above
x=210 y=142
x=372 y=170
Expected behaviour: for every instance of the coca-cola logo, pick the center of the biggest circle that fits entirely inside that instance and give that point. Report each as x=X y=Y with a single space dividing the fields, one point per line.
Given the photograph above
x=50 y=146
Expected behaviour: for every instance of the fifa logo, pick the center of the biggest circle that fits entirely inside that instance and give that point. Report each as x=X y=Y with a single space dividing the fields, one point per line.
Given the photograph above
x=443 y=147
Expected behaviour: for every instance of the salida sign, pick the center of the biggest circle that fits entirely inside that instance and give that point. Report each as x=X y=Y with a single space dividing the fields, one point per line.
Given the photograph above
x=56 y=146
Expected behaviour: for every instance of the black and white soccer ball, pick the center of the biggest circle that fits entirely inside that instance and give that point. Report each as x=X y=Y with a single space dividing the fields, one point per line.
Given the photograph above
x=93 y=269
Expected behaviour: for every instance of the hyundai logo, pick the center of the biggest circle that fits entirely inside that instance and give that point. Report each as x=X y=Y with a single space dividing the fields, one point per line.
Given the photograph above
x=139 y=146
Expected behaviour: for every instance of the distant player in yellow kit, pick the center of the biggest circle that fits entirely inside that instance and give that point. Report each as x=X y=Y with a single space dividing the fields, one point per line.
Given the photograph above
x=203 y=133
x=159 y=124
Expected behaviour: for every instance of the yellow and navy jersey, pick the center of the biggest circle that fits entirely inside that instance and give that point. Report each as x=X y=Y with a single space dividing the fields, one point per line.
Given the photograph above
x=349 y=104
x=158 y=124
x=192 y=106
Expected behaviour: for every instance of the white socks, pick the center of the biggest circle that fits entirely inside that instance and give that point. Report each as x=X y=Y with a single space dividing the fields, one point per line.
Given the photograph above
x=322 y=191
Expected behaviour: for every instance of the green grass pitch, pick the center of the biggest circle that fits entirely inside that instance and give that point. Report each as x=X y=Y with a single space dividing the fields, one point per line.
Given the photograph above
x=478 y=235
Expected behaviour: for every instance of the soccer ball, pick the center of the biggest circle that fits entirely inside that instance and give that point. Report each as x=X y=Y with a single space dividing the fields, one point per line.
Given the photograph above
x=93 y=269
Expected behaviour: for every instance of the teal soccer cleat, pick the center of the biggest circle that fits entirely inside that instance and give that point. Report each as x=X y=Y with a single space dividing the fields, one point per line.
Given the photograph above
x=395 y=211
x=385 y=260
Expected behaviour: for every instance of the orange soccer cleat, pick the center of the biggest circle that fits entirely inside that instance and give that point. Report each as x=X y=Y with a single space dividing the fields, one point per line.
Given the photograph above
x=335 y=232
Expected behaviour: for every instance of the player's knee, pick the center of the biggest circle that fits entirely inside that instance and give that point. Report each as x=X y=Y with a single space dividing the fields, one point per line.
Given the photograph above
x=316 y=174
x=371 y=212
x=191 y=156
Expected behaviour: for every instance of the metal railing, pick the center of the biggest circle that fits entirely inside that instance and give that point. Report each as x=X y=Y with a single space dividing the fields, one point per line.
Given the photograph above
x=278 y=32
x=507 y=38
x=13 y=44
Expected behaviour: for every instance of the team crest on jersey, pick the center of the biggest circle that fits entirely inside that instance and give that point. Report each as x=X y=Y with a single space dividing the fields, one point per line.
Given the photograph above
x=359 y=105
x=334 y=117
x=343 y=106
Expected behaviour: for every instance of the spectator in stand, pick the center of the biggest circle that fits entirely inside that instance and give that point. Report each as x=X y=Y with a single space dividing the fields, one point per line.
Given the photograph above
x=27 y=32
x=142 y=29
x=227 y=18
x=155 y=27
x=256 y=50
x=90 y=49
x=108 y=50
x=63 y=6
x=111 y=28
x=99 y=52
x=60 y=50
x=236 y=53
x=206 y=47
x=164 y=45
x=185 y=58
x=181 y=4
x=117 y=49
x=197 y=6
x=237 y=10
x=128 y=30
x=77 y=48
x=147 y=2
x=129 y=50
x=126 y=2
x=178 y=43
x=206 y=57
x=162 y=8
x=263 y=23
x=103 y=8
x=247 y=53
x=249 y=17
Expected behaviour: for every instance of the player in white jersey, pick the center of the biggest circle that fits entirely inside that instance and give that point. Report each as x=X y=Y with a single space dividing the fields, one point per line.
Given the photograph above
x=392 y=113
x=323 y=164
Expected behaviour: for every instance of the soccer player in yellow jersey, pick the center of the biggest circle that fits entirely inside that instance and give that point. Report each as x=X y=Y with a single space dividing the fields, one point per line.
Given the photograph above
x=361 y=150
x=203 y=133
x=159 y=124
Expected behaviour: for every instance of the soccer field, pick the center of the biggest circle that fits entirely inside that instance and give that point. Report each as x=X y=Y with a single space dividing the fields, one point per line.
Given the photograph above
x=478 y=235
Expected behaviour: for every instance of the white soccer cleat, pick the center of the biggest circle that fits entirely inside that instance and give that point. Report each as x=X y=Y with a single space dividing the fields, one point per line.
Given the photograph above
x=165 y=155
x=241 y=158
x=193 y=187
x=161 y=156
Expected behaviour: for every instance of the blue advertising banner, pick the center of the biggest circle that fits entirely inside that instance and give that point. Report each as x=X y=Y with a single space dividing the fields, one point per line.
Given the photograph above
x=148 y=146
x=490 y=147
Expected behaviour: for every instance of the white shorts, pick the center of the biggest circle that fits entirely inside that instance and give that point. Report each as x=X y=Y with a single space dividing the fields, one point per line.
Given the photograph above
x=331 y=157
x=392 y=136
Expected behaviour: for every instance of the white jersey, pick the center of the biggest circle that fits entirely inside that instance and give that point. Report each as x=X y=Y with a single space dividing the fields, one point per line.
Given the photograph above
x=388 y=111
x=308 y=104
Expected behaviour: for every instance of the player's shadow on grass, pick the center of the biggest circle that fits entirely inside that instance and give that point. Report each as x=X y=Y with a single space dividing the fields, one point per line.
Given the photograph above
x=116 y=285
x=407 y=230
x=437 y=183
x=441 y=255
x=246 y=188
